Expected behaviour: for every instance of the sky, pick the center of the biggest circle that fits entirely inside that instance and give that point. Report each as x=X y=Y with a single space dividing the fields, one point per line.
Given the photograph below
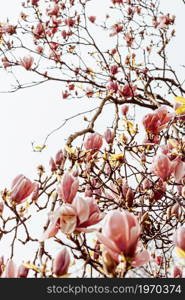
x=29 y=115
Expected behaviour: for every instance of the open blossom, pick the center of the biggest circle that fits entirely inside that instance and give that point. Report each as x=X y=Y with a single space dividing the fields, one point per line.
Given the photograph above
x=70 y=22
x=27 y=62
x=157 y=121
x=116 y=28
x=68 y=188
x=8 y=29
x=21 y=188
x=61 y=262
x=112 y=86
x=179 y=239
x=54 y=11
x=178 y=169
x=38 y=31
x=164 y=21
x=128 y=90
x=120 y=237
x=162 y=167
x=93 y=142
x=77 y=216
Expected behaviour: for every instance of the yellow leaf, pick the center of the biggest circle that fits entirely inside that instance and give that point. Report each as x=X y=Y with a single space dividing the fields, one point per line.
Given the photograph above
x=40 y=147
x=180 y=110
x=32 y=267
x=180 y=252
x=69 y=150
x=130 y=126
x=117 y=58
x=65 y=275
x=180 y=100
x=116 y=157
x=105 y=156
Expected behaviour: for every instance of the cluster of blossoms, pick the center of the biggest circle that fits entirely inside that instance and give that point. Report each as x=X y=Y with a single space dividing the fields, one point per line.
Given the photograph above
x=115 y=201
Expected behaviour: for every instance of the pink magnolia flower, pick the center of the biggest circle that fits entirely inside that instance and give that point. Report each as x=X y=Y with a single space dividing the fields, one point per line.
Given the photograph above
x=127 y=91
x=114 y=69
x=124 y=109
x=112 y=86
x=109 y=136
x=39 y=49
x=35 y=193
x=6 y=63
x=176 y=272
x=61 y=262
x=59 y=157
x=54 y=11
x=77 y=216
x=165 y=21
x=27 y=62
x=52 y=164
x=162 y=167
x=68 y=188
x=120 y=236
x=93 y=142
x=70 y=22
x=92 y=19
x=179 y=238
x=129 y=39
x=10 y=270
x=88 y=213
x=34 y=2
x=116 y=28
x=178 y=169
x=8 y=29
x=157 y=121
x=21 y=188
x=38 y=31
x=22 y=271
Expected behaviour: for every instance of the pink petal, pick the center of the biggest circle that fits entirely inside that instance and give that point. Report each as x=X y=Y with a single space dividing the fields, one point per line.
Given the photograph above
x=141 y=258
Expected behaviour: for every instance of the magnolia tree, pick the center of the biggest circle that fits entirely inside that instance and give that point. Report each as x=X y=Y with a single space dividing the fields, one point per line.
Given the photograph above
x=114 y=200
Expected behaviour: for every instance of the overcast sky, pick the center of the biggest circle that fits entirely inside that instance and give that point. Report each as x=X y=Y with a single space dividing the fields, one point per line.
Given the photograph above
x=28 y=115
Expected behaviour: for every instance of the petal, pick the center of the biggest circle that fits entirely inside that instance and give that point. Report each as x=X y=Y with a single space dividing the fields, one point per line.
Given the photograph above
x=141 y=258
x=108 y=243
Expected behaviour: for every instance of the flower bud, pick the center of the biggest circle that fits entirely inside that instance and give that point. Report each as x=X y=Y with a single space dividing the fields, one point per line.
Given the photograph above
x=21 y=188
x=176 y=272
x=124 y=109
x=68 y=188
x=59 y=158
x=61 y=262
x=22 y=271
x=93 y=142
x=109 y=136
